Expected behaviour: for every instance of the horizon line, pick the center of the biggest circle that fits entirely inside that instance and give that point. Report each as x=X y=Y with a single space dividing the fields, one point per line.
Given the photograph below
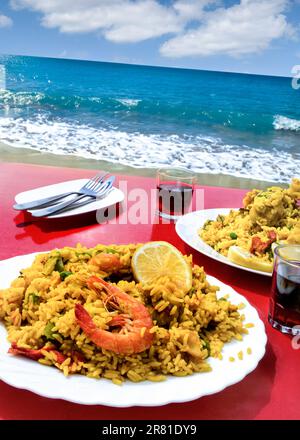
x=146 y=65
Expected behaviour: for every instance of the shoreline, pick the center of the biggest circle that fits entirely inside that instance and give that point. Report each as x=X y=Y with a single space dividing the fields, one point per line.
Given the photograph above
x=28 y=155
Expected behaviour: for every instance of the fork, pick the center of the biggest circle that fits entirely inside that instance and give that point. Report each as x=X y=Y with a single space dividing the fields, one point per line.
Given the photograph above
x=89 y=186
x=100 y=190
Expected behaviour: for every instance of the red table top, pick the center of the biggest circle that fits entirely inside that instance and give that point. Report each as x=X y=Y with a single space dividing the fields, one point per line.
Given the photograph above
x=269 y=392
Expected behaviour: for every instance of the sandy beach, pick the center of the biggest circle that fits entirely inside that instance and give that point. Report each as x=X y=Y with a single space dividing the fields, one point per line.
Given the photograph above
x=133 y=120
x=27 y=155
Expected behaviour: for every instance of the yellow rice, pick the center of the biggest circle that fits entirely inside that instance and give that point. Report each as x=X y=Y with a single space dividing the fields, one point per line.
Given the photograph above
x=38 y=312
x=274 y=209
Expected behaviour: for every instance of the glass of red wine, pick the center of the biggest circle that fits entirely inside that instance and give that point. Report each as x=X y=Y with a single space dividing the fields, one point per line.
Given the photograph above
x=175 y=188
x=284 y=312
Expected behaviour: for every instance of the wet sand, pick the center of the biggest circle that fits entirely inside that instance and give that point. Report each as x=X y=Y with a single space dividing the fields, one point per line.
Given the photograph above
x=27 y=155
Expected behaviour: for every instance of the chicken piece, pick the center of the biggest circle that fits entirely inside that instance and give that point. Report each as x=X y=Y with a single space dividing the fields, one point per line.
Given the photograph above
x=249 y=197
x=269 y=207
x=193 y=346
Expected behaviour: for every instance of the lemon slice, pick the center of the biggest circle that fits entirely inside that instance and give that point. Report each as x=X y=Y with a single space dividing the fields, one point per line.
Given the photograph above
x=159 y=258
x=244 y=258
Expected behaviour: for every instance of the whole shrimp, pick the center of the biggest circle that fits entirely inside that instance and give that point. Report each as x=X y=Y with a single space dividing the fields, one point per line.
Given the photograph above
x=135 y=321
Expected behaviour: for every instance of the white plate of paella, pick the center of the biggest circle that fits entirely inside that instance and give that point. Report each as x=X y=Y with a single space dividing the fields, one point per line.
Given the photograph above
x=188 y=227
x=245 y=238
x=48 y=337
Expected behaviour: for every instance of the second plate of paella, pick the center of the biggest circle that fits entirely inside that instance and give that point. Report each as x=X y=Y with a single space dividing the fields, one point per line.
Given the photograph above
x=246 y=237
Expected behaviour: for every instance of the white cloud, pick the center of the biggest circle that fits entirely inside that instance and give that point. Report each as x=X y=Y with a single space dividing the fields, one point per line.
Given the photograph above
x=193 y=27
x=247 y=27
x=5 y=21
x=120 y=21
x=192 y=9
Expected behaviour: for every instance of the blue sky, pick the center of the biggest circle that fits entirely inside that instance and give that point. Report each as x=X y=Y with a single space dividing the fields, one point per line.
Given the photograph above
x=255 y=36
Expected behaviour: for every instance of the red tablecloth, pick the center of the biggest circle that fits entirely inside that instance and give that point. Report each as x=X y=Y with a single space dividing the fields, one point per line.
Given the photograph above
x=270 y=392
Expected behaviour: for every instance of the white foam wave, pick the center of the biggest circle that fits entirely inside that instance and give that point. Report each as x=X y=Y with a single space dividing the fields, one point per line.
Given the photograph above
x=202 y=154
x=284 y=123
x=128 y=102
x=20 y=98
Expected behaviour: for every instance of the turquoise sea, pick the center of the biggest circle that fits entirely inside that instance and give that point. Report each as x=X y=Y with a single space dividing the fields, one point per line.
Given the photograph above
x=238 y=124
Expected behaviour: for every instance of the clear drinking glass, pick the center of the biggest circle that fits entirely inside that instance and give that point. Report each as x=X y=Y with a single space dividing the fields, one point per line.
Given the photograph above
x=175 y=187
x=284 y=312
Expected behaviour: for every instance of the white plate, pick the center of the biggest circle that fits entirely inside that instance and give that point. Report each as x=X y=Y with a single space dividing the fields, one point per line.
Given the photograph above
x=187 y=228
x=50 y=382
x=115 y=196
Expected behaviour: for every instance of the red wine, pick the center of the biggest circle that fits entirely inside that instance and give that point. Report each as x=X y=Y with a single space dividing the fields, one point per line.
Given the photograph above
x=174 y=198
x=285 y=295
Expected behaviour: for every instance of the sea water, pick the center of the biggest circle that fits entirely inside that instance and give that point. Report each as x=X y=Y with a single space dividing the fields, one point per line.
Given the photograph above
x=236 y=124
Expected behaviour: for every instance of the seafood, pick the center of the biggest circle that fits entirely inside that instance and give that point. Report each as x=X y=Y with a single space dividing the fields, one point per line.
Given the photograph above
x=107 y=262
x=36 y=354
x=135 y=321
x=60 y=313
